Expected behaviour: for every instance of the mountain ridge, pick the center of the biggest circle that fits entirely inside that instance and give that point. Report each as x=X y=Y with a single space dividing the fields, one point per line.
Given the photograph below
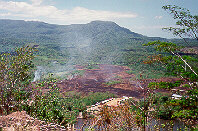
x=60 y=46
x=97 y=40
x=20 y=24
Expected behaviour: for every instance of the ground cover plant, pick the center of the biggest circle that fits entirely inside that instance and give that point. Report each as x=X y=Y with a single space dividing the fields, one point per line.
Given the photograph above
x=109 y=83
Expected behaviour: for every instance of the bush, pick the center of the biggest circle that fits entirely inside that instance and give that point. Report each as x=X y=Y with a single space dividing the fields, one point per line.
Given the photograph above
x=164 y=85
x=15 y=76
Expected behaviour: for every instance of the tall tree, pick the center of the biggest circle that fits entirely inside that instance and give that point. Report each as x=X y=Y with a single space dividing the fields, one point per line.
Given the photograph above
x=14 y=77
x=177 y=65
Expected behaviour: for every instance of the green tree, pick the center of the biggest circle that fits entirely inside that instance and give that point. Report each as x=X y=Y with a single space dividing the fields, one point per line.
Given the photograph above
x=14 y=77
x=187 y=25
x=180 y=66
x=175 y=64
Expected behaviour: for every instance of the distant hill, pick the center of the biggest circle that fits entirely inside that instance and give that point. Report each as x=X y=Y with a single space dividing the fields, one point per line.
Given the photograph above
x=40 y=32
x=60 y=45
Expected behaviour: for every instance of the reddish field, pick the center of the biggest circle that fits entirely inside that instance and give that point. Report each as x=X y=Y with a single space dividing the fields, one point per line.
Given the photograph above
x=120 y=82
x=94 y=80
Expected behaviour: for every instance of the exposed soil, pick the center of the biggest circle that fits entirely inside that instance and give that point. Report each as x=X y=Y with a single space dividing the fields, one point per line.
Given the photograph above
x=21 y=121
x=94 y=80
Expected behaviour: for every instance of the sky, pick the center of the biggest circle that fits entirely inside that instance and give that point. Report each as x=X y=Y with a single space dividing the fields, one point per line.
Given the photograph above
x=145 y=17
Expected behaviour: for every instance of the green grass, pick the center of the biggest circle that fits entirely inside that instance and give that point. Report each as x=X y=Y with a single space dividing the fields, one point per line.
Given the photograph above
x=113 y=82
x=63 y=75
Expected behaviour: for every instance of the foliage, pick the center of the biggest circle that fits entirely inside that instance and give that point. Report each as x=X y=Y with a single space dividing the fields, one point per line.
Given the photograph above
x=186 y=107
x=163 y=46
x=93 y=98
x=176 y=65
x=137 y=115
x=188 y=23
x=164 y=85
x=14 y=77
x=168 y=108
x=49 y=104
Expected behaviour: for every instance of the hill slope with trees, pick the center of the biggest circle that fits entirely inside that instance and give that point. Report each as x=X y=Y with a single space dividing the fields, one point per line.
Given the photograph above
x=61 y=46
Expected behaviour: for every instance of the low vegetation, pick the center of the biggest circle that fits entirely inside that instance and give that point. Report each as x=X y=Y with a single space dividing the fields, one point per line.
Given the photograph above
x=164 y=85
x=113 y=82
x=56 y=107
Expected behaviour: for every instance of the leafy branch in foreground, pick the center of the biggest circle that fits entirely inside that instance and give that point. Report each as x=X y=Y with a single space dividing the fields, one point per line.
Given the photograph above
x=179 y=66
x=174 y=62
x=187 y=22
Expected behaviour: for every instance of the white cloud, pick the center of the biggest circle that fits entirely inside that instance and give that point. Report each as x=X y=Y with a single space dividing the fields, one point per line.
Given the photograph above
x=158 y=17
x=36 y=2
x=36 y=10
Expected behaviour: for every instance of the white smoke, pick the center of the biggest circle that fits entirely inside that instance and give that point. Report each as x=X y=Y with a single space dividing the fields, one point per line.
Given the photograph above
x=38 y=73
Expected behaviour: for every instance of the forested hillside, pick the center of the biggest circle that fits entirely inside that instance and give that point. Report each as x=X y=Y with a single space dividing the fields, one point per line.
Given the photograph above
x=92 y=43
